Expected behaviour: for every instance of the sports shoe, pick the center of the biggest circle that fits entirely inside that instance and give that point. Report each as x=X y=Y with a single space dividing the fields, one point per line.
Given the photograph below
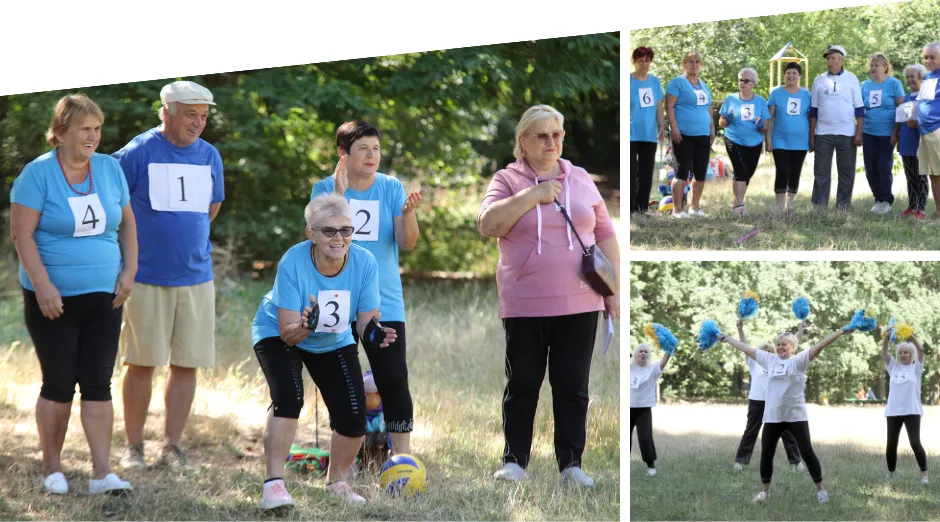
x=907 y=212
x=55 y=484
x=651 y=472
x=876 y=207
x=760 y=497
x=924 y=480
x=343 y=491
x=174 y=458
x=510 y=471
x=919 y=214
x=801 y=467
x=882 y=207
x=133 y=457
x=889 y=475
x=738 y=466
x=822 y=496
x=111 y=483
x=680 y=215
x=700 y=213
x=275 y=495
x=576 y=475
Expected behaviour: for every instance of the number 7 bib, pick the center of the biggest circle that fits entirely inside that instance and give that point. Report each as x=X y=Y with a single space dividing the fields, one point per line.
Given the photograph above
x=334 y=311
x=90 y=219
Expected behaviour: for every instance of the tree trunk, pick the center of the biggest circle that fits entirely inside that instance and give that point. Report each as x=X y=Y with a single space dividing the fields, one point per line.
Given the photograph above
x=881 y=386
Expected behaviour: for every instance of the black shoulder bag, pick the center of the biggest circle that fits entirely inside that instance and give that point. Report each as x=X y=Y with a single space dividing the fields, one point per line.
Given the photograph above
x=597 y=269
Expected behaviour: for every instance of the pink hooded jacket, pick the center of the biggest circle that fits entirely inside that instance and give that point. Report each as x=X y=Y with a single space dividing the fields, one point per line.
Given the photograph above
x=539 y=270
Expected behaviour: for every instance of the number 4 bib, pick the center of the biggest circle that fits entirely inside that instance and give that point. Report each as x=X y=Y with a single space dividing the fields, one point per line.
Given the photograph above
x=365 y=219
x=90 y=219
x=334 y=311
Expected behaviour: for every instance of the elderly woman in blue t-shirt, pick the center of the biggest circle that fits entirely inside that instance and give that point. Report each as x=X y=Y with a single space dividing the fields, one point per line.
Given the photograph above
x=881 y=95
x=743 y=116
x=74 y=232
x=908 y=141
x=646 y=128
x=789 y=107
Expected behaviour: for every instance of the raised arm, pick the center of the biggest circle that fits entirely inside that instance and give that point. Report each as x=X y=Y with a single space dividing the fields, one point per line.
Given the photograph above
x=884 y=347
x=920 y=349
x=664 y=361
x=748 y=350
x=818 y=347
x=801 y=332
x=741 y=331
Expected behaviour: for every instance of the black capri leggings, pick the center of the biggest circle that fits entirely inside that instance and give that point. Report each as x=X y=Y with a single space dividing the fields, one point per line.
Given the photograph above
x=692 y=157
x=771 y=435
x=642 y=420
x=80 y=347
x=789 y=167
x=337 y=374
x=642 y=164
x=744 y=160
x=912 y=423
x=390 y=371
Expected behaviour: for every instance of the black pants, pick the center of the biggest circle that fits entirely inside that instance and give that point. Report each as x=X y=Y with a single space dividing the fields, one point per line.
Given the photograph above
x=789 y=167
x=642 y=419
x=642 y=163
x=912 y=423
x=744 y=160
x=79 y=347
x=755 y=417
x=337 y=374
x=800 y=431
x=917 y=187
x=566 y=342
x=390 y=371
x=692 y=157
x=878 y=154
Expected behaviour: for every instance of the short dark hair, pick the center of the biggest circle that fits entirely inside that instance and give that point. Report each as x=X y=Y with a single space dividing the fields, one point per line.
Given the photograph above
x=349 y=132
x=793 y=65
x=640 y=52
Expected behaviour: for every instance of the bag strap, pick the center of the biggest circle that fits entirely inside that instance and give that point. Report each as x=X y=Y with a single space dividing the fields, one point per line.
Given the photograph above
x=565 y=213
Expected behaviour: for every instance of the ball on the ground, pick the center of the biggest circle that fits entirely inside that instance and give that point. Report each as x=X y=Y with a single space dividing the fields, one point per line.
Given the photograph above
x=404 y=475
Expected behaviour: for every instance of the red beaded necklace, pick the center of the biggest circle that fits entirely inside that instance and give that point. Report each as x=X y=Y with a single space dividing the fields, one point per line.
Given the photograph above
x=91 y=180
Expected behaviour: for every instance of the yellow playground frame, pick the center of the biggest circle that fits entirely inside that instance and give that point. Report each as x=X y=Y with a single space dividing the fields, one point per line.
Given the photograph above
x=786 y=55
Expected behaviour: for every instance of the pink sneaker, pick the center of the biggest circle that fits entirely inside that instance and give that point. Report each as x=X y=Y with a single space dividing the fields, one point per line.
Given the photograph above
x=343 y=491
x=274 y=495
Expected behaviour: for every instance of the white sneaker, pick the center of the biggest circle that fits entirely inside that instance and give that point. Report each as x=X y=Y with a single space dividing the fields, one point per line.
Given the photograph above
x=801 y=467
x=274 y=495
x=698 y=212
x=510 y=471
x=889 y=475
x=111 y=483
x=738 y=466
x=651 y=472
x=882 y=208
x=876 y=206
x=822 y=496
x=924 y=480
x=760 y=497
x=343 y=491
x=55 y=484
x=576 y=475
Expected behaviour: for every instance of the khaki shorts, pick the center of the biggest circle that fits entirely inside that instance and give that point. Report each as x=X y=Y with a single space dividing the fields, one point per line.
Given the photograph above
x=928 y=154
x=170 y=323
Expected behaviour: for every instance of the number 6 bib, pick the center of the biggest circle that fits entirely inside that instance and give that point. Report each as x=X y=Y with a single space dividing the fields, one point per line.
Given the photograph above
x=334 y=311
x=90 y=219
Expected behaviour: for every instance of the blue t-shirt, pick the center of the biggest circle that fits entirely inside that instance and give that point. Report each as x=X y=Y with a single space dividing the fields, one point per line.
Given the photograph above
x=171 y=190
x=909 y=138
x=374 y=210
x=791 y=120
x=644 y=103
x=879 y=100
x=77 y=235
x=691 y=108
x=928 y=103
x=354 y=289
x=743 y=119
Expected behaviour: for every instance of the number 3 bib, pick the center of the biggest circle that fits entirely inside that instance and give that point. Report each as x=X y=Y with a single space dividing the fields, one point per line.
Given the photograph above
x=90 y=219
x=365 y=219
x=334 y=311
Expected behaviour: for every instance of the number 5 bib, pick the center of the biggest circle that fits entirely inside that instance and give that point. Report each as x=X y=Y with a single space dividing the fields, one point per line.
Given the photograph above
x=334 y=311
x=365 y=219
x=90 y=219
x=176 y=187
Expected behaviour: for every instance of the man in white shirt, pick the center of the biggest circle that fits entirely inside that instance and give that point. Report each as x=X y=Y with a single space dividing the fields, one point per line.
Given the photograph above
x=835 y=123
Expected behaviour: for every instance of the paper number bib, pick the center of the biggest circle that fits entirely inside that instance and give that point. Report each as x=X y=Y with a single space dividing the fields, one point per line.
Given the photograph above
x=904 y=112
x=793 y=106
x=175 y=187
x=365 y=219
x=635 y=382
x=90 y=219
x=747 y=112
x=700 y=97
x=646 y=97
x=874 y=99
x=334 y=311
x=928 y=89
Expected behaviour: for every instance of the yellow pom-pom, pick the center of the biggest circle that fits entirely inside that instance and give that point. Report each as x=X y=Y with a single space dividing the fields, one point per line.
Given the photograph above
x=650 y=332
x=751 y=294
x=904 y=332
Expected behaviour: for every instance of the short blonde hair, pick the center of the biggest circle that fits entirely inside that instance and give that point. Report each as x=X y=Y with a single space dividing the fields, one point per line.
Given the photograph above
x=905 y=346
x=324 y=207
x=691 y=54
x=532 y=116
x=788 y=338
x=884 y=59
x=71 y=108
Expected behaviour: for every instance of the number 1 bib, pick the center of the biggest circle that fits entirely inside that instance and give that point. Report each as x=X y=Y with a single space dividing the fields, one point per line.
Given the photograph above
x=365 y=219
x=928 y=90
x=334 y=311
x=90 y=219
x=176 y=187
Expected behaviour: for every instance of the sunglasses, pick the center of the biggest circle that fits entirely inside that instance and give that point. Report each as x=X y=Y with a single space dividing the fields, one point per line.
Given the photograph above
x=549 y=137
x=343 y=231
x=745 y=80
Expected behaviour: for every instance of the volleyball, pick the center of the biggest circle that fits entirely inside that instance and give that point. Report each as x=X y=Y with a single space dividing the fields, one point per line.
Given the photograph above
x=404 y=475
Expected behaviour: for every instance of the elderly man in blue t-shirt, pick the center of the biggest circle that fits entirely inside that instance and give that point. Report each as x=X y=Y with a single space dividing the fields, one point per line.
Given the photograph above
x=928 y=120
x=836 y=116
x=176 y=188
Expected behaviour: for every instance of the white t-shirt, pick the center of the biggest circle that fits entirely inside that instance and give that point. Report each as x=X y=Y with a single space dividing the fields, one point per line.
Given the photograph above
x=758 y=380
x=786 y=383
x=836 y=96
x=904 y=388
x=643 y=384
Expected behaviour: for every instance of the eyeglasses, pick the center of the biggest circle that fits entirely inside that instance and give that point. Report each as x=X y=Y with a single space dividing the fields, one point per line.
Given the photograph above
x=343 y=231
x=745 y=81
x=546 y=137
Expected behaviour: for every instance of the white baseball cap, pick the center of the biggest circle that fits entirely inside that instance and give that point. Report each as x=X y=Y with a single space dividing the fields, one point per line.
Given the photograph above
x=190 y=93
x=834 y=49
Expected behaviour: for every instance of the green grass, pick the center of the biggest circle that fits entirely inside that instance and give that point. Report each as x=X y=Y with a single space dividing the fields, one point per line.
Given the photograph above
x=857 y=229
x=455 y=359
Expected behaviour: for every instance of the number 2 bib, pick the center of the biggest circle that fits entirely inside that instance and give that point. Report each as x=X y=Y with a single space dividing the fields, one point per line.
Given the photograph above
x=334 y=311
x=90 y=219
x=793 y=106
x=365 y=219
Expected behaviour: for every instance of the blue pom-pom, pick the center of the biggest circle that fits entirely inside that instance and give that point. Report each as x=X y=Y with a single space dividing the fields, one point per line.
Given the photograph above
x=894 y=333
x=665 y=190
x=667 y=341
x=801 y=308
x=748 y=307
x=708 y=334
x=861 y=321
